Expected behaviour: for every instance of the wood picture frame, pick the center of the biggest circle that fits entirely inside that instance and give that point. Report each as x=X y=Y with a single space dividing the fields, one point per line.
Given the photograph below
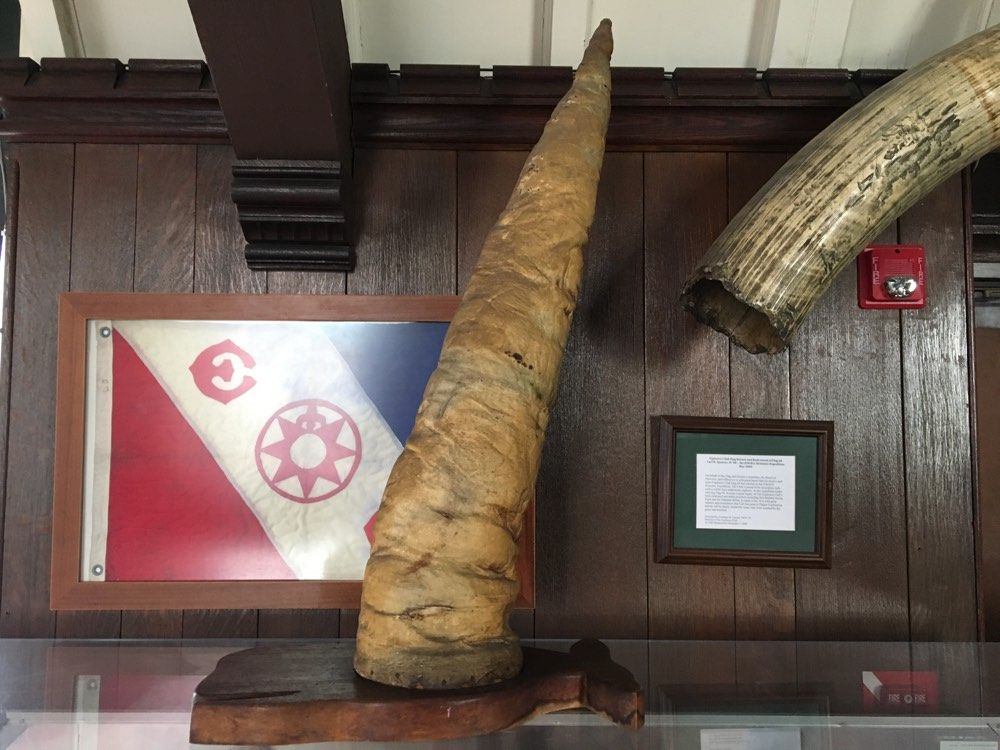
x=750 y=547
x=79 y=312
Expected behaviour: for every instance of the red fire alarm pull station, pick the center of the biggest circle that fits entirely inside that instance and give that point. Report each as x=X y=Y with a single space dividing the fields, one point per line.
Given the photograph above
x=891 y=277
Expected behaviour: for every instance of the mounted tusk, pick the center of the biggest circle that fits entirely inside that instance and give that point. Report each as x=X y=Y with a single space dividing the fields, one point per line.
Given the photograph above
x=783 y=250
x=441 y=579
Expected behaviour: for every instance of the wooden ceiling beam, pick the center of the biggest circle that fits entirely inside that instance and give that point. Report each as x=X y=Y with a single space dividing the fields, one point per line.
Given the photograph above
x=282 y=72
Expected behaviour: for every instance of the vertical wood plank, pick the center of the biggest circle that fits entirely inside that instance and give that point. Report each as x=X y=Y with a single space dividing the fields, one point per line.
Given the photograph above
x=764 y=597
x=298 y=623
x=406 y=222
x=305 y=282
x=165 y=218
x=592 y=492
x=845 y=367
x=987 y=346
x=484 y=182
x=11 y=180
x=103 y=259
x=164 y=262
x=942 y=569
x=219 y=623
x=687 y=369
x=219 y=266
x=405 y=235
x=104 y=201
x=41 y=272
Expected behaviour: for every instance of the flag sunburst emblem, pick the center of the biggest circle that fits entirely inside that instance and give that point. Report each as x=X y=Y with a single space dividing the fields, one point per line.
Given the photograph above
x=308 y=450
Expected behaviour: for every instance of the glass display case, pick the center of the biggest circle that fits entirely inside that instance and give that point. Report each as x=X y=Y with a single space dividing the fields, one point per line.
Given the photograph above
x=704 y=695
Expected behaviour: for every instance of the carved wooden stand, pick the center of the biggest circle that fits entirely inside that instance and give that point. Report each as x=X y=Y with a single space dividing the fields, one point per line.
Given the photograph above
x=275 y=695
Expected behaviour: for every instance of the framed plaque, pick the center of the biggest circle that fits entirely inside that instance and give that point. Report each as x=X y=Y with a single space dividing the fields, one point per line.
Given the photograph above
x=225 y=451
x=743 y=491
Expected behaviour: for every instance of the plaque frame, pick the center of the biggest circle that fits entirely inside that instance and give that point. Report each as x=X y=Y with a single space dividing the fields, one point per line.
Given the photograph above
x=677 y=537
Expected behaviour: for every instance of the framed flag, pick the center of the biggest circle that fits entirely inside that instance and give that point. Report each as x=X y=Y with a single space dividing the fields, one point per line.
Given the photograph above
x=228 y=451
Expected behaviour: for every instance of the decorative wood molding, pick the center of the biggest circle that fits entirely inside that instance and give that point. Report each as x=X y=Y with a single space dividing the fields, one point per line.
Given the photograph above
x=105 y=101
x=283 y=74
x=428 y=106
x=293 y=214
x=442 y=106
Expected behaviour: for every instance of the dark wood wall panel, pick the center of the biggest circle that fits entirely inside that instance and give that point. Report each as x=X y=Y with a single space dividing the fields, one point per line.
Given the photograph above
x=845 y=367
x=166 y=178
x=219 y=266
x=484 y=180
x=165 y=218
x=103 y=259
x=159 y=218
x=987 y=345
x=41 y=272
x=935 y=404
x=405 y=222
x=687 y=368
x=11 y=183
x=590 y=508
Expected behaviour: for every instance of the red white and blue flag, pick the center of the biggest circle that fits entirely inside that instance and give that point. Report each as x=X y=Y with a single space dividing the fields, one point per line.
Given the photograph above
x=238 y=451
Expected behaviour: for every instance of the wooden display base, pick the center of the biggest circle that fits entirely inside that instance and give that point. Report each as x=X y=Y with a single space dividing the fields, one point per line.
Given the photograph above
x=277 y=695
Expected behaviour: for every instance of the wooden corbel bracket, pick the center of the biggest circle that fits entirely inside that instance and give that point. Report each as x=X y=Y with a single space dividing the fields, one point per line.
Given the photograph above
x=282 y=72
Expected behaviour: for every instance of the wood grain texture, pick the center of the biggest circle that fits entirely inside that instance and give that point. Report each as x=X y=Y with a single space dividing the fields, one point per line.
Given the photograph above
x=309 y=692
x=843 y=359
x=219 y=266
x=42 y=271
x=687 y=369
x=219 y=623
x=103 y=259
x=104 y=215
x=960 y=673
x=758 y=385
x=165 y=218
x=484 y=182
x=11 y=188
x=152 y=623
x=298 y=623
x=406 y=222
x=939 y=501
x=164 y=262
x=987 y=345
x=591 y=492
x=306 y=282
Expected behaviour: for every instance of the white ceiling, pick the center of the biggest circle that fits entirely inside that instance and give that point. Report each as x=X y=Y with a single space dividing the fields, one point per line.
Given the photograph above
x=662 y=33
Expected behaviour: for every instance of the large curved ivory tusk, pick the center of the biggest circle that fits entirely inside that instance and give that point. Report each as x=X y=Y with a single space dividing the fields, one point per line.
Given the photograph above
x=441 y=579
x=782 y=251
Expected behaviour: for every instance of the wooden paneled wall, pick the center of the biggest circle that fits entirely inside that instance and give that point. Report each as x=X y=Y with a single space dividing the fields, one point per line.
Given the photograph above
x=159 y=218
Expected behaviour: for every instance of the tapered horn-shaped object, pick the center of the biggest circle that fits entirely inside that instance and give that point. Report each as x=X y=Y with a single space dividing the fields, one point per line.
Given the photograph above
x=782 y=251
x=441 y=580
